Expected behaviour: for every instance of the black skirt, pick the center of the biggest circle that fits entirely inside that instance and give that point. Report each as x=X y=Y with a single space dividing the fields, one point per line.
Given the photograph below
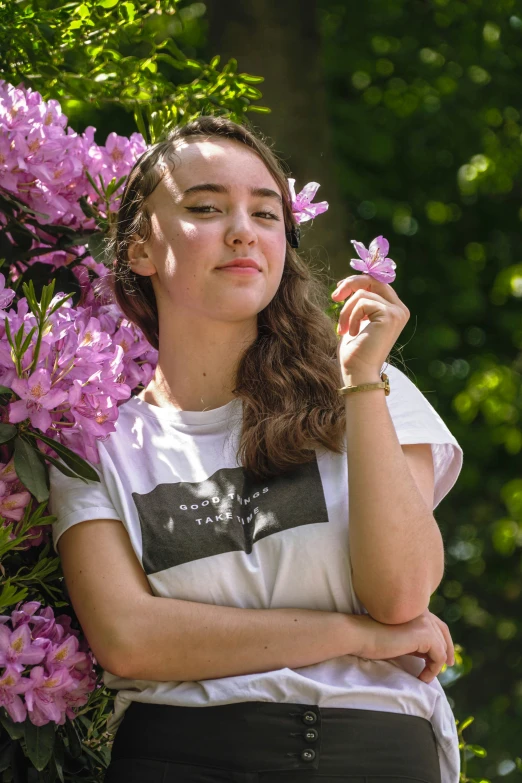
x=265 y=742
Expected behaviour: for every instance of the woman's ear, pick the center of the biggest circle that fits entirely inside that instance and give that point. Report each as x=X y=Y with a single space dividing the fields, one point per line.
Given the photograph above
x=140 y=260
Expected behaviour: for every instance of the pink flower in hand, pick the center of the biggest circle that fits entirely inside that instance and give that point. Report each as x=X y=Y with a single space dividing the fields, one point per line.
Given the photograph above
x=302 y=206
x=373 y=261
x=37 y=400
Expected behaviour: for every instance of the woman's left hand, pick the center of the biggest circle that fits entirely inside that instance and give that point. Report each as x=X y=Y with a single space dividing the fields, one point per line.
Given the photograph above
x=363 y=354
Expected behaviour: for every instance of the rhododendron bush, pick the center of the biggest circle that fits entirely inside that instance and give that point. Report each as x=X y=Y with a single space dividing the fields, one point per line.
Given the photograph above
x=68 y=359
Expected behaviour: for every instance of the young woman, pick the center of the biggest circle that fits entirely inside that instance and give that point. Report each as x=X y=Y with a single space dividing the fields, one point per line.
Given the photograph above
x=251 y=634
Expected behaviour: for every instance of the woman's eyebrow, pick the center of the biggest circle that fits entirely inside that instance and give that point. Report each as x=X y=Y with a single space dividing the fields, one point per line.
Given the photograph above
x=213 y=187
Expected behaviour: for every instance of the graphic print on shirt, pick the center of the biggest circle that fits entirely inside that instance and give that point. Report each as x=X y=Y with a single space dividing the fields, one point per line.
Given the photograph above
x=228 y=512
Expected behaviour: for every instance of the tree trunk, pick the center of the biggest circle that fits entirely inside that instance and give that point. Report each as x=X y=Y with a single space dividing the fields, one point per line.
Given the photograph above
x=280 y=41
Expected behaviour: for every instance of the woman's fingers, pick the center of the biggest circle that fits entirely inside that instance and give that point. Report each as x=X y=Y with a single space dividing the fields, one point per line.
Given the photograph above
x=450 y=658
x=433 y=647
x=345 y=316
x=355 y=282
x=435 y=660
x=440 y=653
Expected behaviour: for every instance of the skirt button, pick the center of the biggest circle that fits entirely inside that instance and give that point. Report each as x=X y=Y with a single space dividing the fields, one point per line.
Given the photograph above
x=310 y=718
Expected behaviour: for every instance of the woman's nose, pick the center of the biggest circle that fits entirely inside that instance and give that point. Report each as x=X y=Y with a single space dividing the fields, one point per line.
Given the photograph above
x=241 y=230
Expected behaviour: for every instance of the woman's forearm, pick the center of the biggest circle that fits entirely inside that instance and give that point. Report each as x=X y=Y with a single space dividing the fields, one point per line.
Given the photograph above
x=396 y=547
x=170 y=639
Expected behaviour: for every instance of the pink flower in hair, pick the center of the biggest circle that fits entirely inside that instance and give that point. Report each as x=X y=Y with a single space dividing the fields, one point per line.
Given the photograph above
x=302 y=206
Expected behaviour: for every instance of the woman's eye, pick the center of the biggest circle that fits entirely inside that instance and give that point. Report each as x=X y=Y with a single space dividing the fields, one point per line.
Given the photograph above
x=271 y=215
x=204 y=209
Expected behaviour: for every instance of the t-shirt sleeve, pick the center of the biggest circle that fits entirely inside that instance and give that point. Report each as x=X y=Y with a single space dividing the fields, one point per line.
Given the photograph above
x=417 y=421
x=72 y=501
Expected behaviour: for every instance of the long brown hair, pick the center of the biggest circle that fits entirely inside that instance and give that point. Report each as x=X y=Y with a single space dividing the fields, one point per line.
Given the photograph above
x=287 y=378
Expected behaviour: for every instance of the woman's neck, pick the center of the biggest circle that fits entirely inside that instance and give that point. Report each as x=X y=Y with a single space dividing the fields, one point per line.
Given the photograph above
x=197 y=372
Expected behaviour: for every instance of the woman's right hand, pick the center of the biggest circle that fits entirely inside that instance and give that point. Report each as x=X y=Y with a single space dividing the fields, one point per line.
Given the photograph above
x=425 y=637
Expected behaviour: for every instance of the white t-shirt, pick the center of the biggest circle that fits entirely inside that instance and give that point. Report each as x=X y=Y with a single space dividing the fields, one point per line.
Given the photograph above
x=204 y=531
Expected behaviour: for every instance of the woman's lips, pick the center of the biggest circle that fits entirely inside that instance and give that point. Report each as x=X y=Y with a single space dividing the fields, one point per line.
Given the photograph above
x=242 y=270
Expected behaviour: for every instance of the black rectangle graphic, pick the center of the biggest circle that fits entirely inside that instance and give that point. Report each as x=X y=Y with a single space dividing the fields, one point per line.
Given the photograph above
x=228 y=512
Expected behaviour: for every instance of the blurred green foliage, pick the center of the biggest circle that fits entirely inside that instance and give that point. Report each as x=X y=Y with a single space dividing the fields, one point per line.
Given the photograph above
x=426 y=121
x=426 y=116
x=106 y=59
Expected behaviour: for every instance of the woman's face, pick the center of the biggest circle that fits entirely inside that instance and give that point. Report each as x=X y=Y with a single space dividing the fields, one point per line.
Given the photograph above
x=220 y=203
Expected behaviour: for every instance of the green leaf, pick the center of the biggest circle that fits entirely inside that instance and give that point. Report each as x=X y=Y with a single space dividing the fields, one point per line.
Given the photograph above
x=7 y=431
x=466 y=723
x=75 y=744
x=111 y=187
x=140 y=124
x=15 y=730
x=59 y=757
x=149 y=65
x=30 y=294
x=30 y=470
x=83 y=11
x=57 y=230
x=97 y=245
x=177 y=64
x=93 y=183
x=58 y=304
x=253 y=93
x=6 y=247
x=21 y=235
x=47 y=295
x=231 y=66
x=260 y=109
x=477 y=750
x=72 y=460
x=8 y=332
x=11 y=594
x=62 y=468
x=107 y=3
x=5 y=390
x=19 y=336
x=251 y=79
x=39 y=742
x=87 y=210
x=130 y=10
x=5 y=756
x=27 y=341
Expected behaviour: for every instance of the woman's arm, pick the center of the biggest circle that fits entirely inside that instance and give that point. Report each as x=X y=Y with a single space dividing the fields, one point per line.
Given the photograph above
x=137 y=635
x=396 y=548
x=141 y=636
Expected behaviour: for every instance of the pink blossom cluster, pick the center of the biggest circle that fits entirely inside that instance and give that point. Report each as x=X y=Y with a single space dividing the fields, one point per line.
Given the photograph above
x=89 y=362
x=14 y=499
x=59 y=666
x=45 y=163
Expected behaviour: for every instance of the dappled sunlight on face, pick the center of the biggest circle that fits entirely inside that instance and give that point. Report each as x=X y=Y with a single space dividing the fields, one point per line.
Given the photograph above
x=195 y=232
